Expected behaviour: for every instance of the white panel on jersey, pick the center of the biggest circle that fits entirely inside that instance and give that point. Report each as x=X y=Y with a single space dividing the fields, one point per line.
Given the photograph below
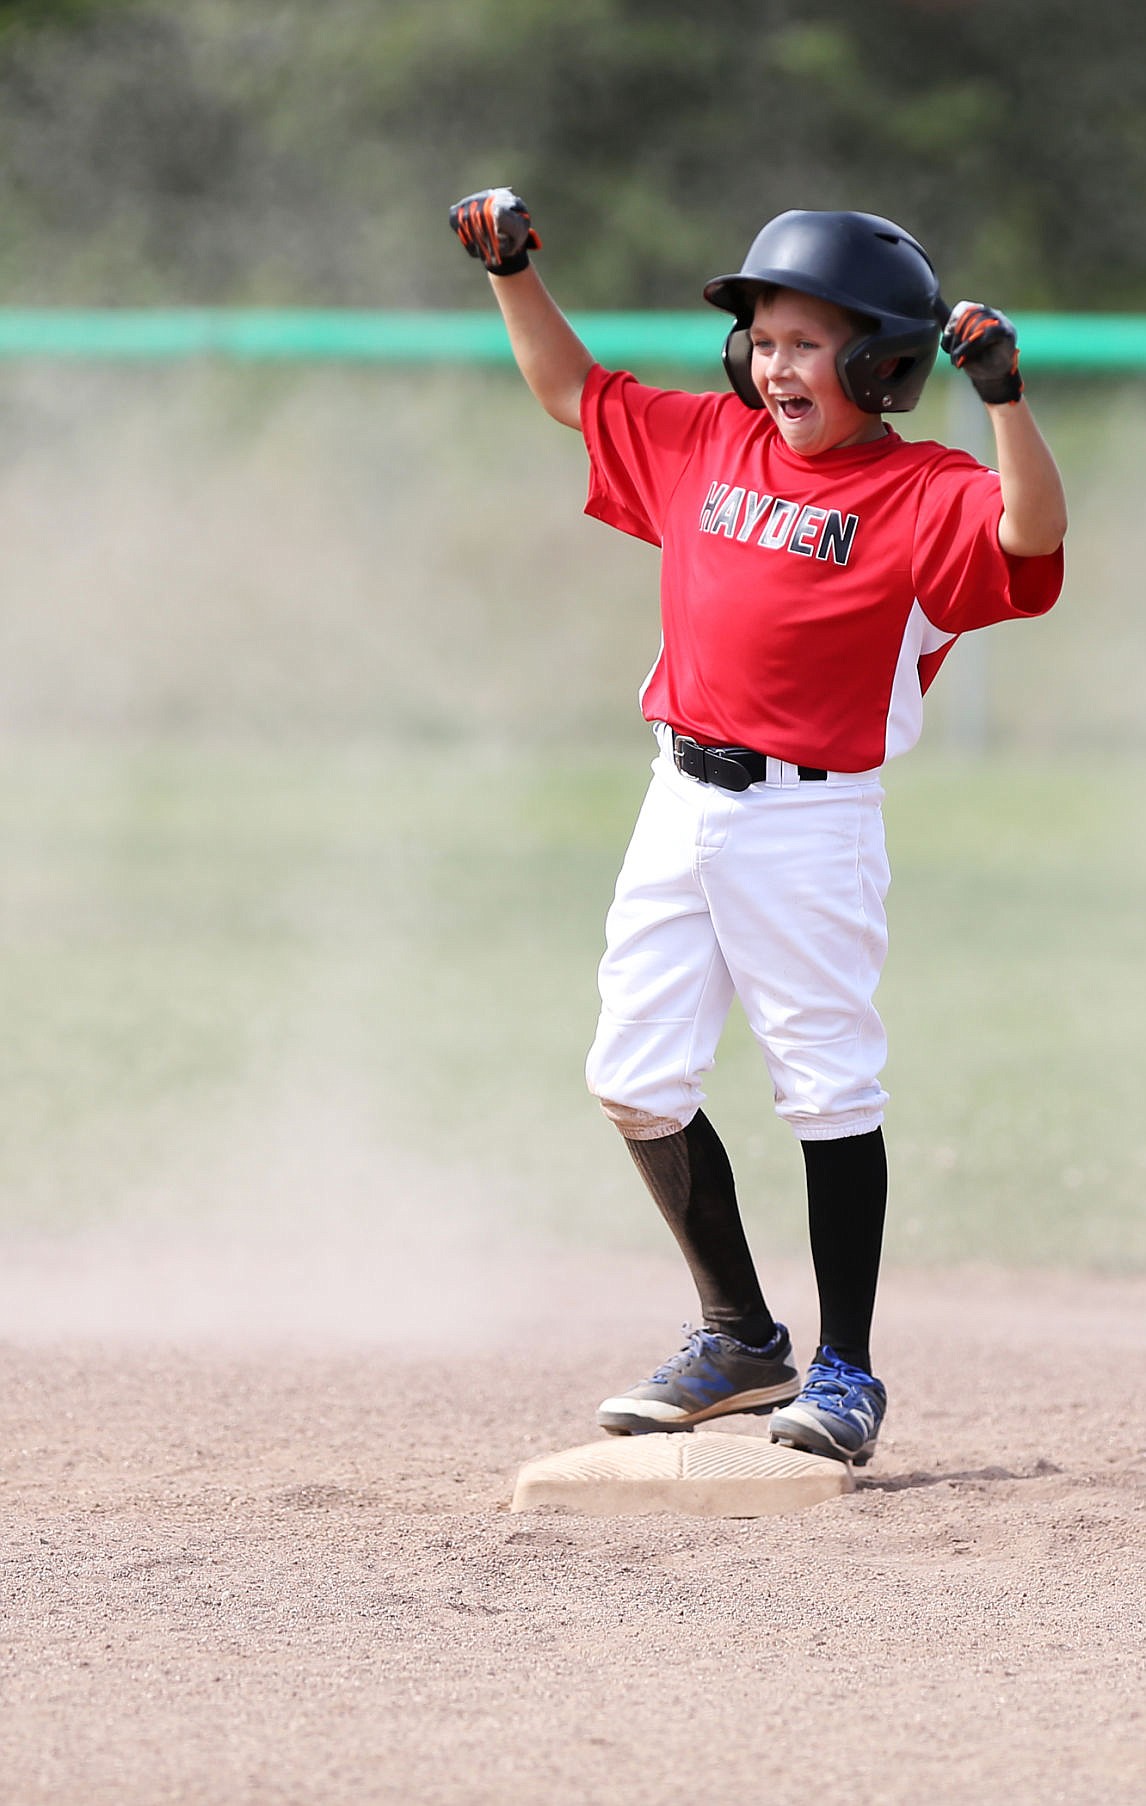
x=905 y=714
x=651 y=674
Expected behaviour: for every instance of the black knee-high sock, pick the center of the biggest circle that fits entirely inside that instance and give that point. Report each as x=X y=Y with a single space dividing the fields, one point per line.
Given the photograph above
x=847 y=1202
x=691 y=1180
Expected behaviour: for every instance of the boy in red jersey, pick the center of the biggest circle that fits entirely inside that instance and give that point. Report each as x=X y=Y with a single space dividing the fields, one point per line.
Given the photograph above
x=815 y=570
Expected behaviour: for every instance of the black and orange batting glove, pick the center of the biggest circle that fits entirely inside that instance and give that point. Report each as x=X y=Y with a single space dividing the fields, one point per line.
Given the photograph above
x=495 y=227
x=984 y=342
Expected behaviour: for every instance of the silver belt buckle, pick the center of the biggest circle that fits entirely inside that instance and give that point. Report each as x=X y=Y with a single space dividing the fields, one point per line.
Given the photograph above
x=688 y=757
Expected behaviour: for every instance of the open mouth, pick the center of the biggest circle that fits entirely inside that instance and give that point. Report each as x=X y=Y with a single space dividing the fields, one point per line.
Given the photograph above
x=794 y=407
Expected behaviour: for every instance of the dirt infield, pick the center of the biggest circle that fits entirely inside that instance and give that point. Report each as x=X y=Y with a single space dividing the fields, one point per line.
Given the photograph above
x=240 y=1569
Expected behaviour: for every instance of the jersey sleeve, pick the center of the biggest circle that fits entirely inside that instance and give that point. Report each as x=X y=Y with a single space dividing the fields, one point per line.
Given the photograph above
x=963 y=578
x=639 y=442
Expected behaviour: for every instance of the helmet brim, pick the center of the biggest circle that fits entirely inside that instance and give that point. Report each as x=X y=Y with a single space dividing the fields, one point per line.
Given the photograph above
x=739 y=294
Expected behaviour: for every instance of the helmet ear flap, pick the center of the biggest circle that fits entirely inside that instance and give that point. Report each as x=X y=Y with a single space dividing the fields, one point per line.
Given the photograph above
x=737 y=356
x=866 y=379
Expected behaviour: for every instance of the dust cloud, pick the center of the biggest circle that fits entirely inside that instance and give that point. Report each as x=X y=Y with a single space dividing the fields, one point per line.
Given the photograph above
x=205 y=568
x=305 y=1232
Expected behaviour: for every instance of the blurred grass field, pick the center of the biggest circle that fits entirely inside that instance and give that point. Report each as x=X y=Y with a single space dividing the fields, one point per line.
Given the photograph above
x=320 y=751
x=247 y=981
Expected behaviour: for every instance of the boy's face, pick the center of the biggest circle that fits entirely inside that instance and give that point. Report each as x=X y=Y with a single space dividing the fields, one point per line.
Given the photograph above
x=795 y=339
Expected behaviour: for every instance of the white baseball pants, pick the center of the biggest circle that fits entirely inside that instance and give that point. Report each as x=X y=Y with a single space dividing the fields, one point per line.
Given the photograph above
x=774 y=894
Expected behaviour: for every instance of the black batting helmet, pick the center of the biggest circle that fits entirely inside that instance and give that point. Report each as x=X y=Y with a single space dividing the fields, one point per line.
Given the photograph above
x=863 y=263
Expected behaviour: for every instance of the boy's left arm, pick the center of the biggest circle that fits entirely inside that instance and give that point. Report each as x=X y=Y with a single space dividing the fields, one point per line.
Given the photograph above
x=984 y=342
x=1033 y=521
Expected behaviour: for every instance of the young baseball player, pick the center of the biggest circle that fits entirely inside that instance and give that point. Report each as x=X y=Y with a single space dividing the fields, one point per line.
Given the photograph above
x=815 y=570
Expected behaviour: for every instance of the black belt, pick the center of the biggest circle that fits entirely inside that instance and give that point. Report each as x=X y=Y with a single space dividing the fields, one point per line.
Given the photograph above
x=731 y=767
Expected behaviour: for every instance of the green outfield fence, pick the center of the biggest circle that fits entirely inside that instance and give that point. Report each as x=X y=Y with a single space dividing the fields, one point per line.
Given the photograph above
x=1074 y=342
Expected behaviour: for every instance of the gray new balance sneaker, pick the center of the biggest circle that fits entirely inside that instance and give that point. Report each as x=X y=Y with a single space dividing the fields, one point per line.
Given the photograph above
x=712 y=1376
x=838 y=1412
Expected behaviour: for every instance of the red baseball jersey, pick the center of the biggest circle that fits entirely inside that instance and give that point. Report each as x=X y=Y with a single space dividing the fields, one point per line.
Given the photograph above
x=806 y=603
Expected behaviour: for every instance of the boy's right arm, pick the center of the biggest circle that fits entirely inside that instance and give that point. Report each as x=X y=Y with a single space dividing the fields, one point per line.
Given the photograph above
x=494 y=226
x=549 y=354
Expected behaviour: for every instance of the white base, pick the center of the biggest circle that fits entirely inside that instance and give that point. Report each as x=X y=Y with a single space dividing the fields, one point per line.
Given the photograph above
x=702 y=1475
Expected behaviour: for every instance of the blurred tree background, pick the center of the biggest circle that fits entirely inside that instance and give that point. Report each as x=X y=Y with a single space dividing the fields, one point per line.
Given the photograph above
x=273 y=152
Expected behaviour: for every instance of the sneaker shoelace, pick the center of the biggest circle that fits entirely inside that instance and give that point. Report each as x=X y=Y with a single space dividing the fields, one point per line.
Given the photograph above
x=695 y=1346
x=699 y=1345
x=840 y=1382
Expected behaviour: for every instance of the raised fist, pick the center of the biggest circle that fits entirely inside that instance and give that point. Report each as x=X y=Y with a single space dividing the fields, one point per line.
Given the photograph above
x=495 y=227
x=982 y=341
